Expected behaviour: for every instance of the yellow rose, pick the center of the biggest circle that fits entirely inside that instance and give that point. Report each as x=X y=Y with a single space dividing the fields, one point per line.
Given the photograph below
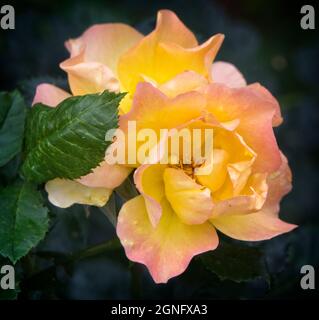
x=178 y=211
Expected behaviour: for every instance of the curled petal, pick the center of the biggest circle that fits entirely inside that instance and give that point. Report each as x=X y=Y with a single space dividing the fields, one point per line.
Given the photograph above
x=49 y=95
x=228 y=74
x=167 y=249
x=90 y=77
x=94 y=57
x=217 y=177
x=64 y=193
x=104 y=43
x=265 y=223
x=239 y=173
x=191 y=202
x=251 y=199
x=252 y=227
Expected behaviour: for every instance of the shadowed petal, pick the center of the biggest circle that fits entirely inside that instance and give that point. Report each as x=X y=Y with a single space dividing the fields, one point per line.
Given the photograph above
x=49 y=95
x=64 y=193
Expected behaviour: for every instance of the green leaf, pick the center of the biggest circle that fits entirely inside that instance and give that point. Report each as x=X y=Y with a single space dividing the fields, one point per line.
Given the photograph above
x=23 y=219
x=10 y=171
x=69 y=141
x=235 y=262
x=12 y=118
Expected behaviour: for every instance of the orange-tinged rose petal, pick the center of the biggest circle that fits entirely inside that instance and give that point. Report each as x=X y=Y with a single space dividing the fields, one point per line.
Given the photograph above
x=49 y=95
x=149 y=182
x=265 y=223
x=92 y=66
x=167 y=249
x=169 y=28
x=251 y=198
x=152 y=109
x=228 y=74
x=106 y=176
x=256 y=112
x=265 y=94
x=252 y=227
x=190 y=201
x=90 y=77
x=279 y=183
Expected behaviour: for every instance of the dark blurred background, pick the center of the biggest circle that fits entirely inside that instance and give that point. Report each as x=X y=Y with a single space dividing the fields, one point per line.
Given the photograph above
x=265 y=41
